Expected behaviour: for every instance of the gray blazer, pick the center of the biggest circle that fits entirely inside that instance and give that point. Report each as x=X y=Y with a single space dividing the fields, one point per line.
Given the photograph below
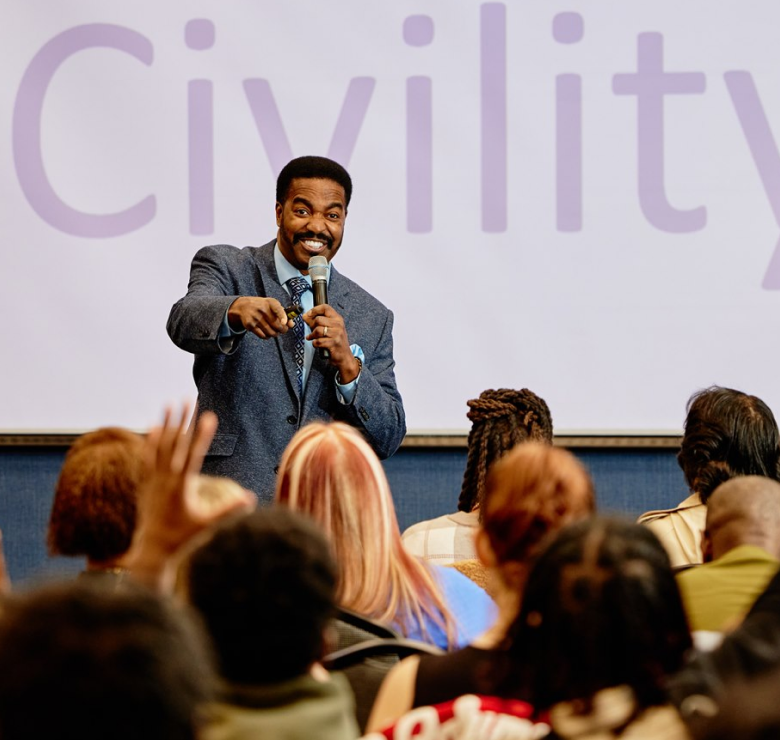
x=254 y=390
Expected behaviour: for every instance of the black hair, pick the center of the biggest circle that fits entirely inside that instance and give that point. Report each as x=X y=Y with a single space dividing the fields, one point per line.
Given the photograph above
x=78 y=661
x=500 y=419
x=265 y=587
x=316 y=168
x=727 y=433
x=600 y=608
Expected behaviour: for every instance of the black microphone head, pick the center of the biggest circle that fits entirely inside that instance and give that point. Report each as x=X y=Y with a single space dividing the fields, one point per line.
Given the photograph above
x=318 y=267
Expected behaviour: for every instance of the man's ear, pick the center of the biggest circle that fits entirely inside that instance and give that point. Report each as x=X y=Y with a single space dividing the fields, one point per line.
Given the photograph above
x=278 y=209
x=484 y=549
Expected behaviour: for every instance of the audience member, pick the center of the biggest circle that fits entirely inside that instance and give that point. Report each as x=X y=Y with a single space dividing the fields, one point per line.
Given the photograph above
x=329 y=472
x=530 y=493
x=601 y=627
x=214 y=491
x=727 y=433
x=748 y=710
x=94 y=509
x=171 y=511
x=741 y=546
x=743 y=668
x=500 y=419
x=265 y=586
x=80 y=662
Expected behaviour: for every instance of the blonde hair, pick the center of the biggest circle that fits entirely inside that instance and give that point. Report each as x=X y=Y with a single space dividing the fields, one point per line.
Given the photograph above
x=213 y=492
x=329 y=472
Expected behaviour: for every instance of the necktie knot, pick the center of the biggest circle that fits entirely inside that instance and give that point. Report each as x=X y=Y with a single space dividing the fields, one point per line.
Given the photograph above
x=298 y=286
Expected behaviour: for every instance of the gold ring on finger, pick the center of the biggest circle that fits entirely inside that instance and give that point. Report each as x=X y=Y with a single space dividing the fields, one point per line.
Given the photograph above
x=325 y=331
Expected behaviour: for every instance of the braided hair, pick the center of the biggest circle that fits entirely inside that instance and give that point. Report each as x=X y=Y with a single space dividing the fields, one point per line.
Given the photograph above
x=500 y=419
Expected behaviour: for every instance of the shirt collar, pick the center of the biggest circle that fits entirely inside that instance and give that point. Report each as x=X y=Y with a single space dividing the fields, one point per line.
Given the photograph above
x=285 y=270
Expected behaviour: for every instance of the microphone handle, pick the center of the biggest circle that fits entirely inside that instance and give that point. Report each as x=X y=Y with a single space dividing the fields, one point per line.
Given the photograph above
x=320 y=288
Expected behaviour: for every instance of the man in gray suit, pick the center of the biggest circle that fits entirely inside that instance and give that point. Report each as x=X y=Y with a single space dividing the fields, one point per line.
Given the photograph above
x=249 y=367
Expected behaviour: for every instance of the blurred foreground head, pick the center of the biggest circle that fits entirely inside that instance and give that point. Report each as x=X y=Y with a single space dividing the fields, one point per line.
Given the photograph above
x=600 y=609
x=77 y=661
x=265 y=585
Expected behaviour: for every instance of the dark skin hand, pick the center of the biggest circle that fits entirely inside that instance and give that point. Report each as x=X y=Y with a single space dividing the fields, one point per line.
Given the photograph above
x=264 y=317
x=328 y=332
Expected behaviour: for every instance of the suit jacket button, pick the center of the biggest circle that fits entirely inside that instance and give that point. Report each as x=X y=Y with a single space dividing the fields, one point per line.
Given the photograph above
x=291 y=419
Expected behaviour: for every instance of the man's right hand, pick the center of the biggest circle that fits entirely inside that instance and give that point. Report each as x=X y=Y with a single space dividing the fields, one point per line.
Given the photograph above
x=264 y=317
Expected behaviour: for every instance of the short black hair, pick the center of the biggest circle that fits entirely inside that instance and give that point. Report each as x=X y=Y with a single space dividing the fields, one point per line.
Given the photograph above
x=265 y=586
x=727 y=433
x=312 y=168
x=78 y=661
x=600 y=608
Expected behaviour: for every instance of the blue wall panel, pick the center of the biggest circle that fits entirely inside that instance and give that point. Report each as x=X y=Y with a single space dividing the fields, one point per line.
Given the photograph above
x=425 y=483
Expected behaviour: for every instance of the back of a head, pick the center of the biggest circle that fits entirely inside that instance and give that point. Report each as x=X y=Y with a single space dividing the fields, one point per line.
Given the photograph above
x=330 y=473
x=312 y=167
x=500 y=419
x=744 y=511
x=94 y=508
x=80 y=662
x=727 y=433
x=601 y=608
x=531 y=493
x=265 y=585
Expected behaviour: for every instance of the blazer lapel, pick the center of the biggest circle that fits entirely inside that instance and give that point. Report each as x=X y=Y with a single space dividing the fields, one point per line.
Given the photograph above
x=338 y=294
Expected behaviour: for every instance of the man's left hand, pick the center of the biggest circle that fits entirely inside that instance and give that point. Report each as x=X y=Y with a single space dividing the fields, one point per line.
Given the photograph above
x=328 y=332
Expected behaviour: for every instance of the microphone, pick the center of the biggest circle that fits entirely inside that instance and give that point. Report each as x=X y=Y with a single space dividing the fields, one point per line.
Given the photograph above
x=318 y=271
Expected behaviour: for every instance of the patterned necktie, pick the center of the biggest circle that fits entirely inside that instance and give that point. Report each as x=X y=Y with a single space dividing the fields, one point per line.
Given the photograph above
x=298 y=286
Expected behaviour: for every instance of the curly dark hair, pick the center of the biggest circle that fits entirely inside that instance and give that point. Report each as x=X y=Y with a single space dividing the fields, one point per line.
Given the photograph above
x=94 y=508
x=77 y=661
x=727 y=433
x=600 y=608
x=500 y=419
x=319 y=168
x=265 y=586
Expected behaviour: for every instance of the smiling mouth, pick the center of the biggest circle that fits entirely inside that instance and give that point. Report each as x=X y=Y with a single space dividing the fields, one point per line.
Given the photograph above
x=314 y=245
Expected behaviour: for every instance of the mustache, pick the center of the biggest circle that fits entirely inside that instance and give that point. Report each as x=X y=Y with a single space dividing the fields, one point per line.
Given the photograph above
x=311 y=235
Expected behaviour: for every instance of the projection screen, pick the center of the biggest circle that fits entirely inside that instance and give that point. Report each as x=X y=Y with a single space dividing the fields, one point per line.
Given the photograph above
x=578 y=198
